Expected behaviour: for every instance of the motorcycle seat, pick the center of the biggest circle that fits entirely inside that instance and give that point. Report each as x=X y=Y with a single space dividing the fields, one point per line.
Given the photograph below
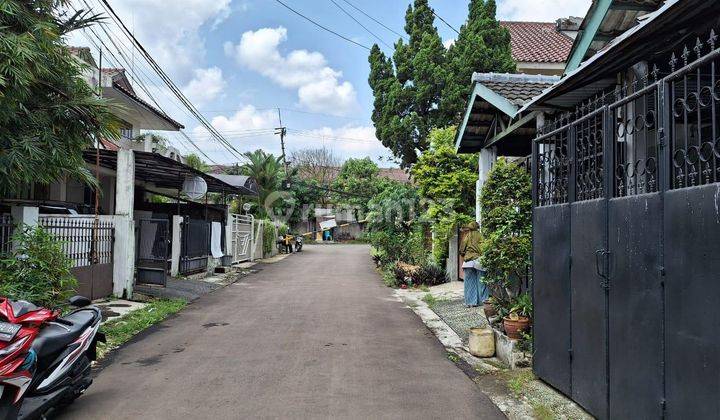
x=57 y=335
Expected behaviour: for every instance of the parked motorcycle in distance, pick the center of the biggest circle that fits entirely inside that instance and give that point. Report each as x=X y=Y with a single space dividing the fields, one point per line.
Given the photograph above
x=45 y=358
x=298 y=243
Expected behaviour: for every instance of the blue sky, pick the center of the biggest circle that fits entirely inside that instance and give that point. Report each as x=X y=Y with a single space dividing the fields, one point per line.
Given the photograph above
x=237 y=60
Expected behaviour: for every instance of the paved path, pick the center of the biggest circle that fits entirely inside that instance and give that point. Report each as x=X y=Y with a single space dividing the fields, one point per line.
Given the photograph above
x=315 y=336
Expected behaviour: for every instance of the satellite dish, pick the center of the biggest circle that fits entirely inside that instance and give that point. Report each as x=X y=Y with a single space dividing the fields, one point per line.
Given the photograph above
x=194 y=187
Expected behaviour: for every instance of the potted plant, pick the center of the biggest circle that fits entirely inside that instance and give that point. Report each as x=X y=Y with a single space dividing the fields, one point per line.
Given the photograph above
x=489 y=307
x=518 y=320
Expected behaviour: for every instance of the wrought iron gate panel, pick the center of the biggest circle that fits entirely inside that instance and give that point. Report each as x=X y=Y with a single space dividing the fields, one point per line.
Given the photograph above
x=694 y=92
x=644 y=248
x=588 y=318
x=195 y=246
x=635 y=307
x=551 y=295
x=636 y=140
x=153 y=251
x=692 y=264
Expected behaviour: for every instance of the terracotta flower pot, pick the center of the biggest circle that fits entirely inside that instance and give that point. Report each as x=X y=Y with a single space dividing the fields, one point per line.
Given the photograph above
x=513 y=327
x=489 y=309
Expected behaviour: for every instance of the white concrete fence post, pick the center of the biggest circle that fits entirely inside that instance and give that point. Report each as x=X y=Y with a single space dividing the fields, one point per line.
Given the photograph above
x=486 y=161
x=24 y=216
x=176 y=244
x=124 y=248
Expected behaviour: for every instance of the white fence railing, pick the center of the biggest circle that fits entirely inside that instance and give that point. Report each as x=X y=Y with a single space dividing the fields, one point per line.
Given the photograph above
x=242 y=239
x=86 y=241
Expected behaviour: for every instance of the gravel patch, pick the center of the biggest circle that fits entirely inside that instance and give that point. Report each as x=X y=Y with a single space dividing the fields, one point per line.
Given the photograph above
x=459 y=317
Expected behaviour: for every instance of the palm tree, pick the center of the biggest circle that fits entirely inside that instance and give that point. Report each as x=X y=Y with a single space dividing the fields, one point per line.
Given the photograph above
x=267 y=170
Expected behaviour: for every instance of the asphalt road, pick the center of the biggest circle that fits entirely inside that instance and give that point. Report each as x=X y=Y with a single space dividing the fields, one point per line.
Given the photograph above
x=316 y=335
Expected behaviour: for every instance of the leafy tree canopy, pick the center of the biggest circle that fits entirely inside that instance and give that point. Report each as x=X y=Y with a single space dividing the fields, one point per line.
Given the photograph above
x=444 y=177
x=357 y=182
x=482 y=46
x=48 y=113
x=196 y=162
x=423 y=85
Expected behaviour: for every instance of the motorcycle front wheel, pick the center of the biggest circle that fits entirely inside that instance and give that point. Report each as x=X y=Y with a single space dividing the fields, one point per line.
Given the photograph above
x=8 y=410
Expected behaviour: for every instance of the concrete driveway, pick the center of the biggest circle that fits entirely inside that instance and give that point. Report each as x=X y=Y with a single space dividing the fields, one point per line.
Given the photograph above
x=316 y=335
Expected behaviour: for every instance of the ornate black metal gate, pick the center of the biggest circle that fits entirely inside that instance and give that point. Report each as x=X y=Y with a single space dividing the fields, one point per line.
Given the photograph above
x=627 y=244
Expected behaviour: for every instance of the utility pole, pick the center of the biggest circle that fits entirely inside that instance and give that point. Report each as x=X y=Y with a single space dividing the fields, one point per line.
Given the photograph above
x=282 y=131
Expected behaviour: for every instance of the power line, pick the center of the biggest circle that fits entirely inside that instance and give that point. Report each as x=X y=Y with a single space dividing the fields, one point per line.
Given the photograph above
x=136 y=79
x=168 y=82
x=361 y=25
x=320 y=26
x=445 y=22
x=375 y=20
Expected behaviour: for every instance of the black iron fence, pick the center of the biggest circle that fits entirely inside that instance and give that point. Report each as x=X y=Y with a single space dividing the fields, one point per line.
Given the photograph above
x=6 y=233
x=85 y=240
x=626 y=242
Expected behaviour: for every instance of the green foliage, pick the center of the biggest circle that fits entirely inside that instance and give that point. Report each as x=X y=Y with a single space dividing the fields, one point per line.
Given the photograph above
x=120 y=330
x=447 y=181
x=483 y=46
x=388 y=276
x=37 y=270
x=506 y=206
x=160 y=143
x=430 y=300
x=429 y=274
x=358 y=179
x=407 y=88
x=523 y=306
x=48 y=114
x=423 y=85
x=444 y=228
x=283 y=229
x=196 y=162
x=269 y=236
x=392 y=227
x=268 y=172
x=445 y=177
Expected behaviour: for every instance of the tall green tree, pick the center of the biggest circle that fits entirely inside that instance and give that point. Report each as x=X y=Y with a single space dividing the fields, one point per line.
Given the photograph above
x=357 y=182
x=48 y=114
x=423 y=85
x=446 y=182
x=483 y=46
x=267 y=170
x=407 y=88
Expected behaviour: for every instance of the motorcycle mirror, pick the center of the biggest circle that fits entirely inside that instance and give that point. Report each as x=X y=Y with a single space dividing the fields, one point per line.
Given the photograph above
x=79 y=301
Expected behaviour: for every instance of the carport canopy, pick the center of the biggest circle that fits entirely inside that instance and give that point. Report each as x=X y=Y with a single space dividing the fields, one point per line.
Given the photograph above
x=168 y=174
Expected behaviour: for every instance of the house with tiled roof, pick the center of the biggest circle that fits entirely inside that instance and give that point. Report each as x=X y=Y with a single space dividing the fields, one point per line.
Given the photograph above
x=542 y=47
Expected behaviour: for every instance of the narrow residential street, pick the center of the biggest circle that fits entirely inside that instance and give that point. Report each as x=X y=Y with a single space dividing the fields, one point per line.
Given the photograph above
x=314 y=336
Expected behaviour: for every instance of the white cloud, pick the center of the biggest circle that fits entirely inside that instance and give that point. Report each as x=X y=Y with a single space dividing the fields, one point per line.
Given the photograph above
x=206 y=85
x=239 y=125
x=449 y=43
x=350 y=141
x=169 y=30
x=320 y=87
x=541 y=10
